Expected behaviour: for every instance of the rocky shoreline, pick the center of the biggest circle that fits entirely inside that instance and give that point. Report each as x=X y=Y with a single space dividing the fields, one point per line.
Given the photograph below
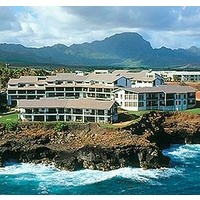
x=89 y=146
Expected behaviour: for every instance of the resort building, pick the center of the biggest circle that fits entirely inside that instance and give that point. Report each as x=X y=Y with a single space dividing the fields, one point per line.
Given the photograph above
x=54 y=109
x=141 y=79
x=94 y=97
x=164 y=97
x=180 y=76
x=65 y=85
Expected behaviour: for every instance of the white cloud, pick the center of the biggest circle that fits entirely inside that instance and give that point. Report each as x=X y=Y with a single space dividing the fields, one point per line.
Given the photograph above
x=8 y=20
x=38 y=26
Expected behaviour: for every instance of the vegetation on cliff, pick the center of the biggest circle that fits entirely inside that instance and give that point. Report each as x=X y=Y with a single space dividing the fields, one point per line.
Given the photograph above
x=74 y=146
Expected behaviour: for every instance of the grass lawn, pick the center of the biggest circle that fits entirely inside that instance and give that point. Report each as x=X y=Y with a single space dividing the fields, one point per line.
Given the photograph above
x=106 y=125
x=138 y=113
x=126 y=118
x=9 y=118
x=193 y=110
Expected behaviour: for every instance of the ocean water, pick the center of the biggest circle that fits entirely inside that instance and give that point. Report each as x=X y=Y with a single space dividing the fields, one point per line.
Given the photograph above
x=182 y=178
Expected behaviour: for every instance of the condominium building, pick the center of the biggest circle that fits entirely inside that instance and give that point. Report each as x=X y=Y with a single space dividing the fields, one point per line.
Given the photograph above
x=141 y=79
x=93 y=97
x=65 y=85
x=180 y=76
x=164 y=97
x=54 y=109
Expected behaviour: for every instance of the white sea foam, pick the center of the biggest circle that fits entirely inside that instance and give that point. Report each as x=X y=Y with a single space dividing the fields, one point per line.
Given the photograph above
x=50 y=176
x=182 y=152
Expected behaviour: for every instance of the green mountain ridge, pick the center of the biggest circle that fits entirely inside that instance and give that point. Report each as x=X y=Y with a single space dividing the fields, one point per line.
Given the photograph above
x=120 y=50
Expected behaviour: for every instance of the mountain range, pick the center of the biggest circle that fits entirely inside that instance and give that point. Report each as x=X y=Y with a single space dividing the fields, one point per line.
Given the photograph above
x=127 y=49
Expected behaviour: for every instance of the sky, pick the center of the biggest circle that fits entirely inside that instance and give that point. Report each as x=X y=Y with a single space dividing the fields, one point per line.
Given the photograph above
x=172 y=26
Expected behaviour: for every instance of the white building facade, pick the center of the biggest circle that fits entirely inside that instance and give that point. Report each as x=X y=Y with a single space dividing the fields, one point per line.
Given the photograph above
x=180 y=76
x=164 y=98
x=142 y=79
x=65 y=85
x=81 y=110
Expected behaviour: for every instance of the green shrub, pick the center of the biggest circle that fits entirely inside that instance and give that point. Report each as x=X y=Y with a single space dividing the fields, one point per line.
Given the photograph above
x=11 y=126
x=59 y=127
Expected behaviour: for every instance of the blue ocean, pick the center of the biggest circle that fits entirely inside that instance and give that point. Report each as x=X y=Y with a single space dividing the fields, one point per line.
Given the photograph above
x=182 y=178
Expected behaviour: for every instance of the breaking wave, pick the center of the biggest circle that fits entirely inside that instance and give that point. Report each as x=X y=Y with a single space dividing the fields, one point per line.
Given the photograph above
x=41 y=179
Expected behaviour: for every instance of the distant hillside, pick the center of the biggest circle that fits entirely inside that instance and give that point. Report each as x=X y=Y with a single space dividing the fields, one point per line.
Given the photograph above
x=120 y=50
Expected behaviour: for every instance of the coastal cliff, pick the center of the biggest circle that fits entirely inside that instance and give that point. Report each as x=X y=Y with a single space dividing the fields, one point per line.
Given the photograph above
x=90 y=146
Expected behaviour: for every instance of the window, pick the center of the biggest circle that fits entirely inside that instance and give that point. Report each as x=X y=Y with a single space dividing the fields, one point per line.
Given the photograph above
x=192 y=95
x=107 y=90
x=59 y=89
x=50 y=82
x=69 y=89
x=133 y=104
x=100 y=112
x=191 y=101
x=170 y=103
x=59 y=94
x=52 y=110
x=49 y=89
x=60 y=110
x=126 y=104
x=135 y=96
x=99 y=90
x=141 y=96
x=170 y=96
x=162 y=103
x=22 y=97
x=40 y=92
x=28 y=111
x=31 y=92
x=133 y=82
x=141 y=104
x=21 y=92
x=92 y=89
x=41 y=78
x=78 y=89
x=21 y=85
x=79 y=82
x=51 y=94
x=12 y=92
x=161 y=95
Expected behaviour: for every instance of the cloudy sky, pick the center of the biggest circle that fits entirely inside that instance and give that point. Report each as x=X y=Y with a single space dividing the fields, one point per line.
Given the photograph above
x=38 y=26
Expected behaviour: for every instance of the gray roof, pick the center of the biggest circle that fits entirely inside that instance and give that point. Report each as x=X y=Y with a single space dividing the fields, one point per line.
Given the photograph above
x=102 y=77
x=13 y=81
x=27 y=79
x=67 y=77
x=66 y=103
x=161 y=88
x=141 y=76
x=24 y=79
